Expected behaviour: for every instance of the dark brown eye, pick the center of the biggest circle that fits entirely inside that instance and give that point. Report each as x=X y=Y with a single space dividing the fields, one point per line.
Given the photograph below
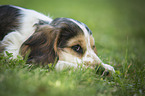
x=78 y=49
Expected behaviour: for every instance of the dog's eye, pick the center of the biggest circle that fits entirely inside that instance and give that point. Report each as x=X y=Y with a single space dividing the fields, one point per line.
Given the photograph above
x=78 y=49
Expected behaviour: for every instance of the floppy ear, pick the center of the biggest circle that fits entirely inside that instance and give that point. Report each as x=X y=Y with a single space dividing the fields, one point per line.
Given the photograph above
x=41 y=47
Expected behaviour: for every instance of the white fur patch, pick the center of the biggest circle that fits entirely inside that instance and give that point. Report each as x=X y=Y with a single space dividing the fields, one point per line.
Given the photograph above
x=63 y=64
x=12 y=43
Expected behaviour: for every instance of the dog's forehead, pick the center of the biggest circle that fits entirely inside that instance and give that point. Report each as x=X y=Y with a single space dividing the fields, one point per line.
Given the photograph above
x=72 y=23
x=85 y=26
x=70 y=29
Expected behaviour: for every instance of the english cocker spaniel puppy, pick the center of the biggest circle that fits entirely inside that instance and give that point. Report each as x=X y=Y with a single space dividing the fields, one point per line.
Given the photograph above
x=63 y=40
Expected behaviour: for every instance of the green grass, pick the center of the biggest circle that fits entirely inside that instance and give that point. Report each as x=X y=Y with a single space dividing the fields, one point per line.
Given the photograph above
x=119 y=31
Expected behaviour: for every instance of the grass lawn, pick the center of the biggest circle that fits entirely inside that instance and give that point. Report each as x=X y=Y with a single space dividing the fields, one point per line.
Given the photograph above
x=119 y=31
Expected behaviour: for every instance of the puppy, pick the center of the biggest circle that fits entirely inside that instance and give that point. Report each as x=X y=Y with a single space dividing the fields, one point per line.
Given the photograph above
x=65 y=41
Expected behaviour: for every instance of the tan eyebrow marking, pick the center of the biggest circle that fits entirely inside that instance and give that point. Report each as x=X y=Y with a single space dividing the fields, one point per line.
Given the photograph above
x=80 y=39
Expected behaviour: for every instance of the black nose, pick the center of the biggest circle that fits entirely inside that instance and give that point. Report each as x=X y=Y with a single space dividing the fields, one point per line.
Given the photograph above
x=101 y=71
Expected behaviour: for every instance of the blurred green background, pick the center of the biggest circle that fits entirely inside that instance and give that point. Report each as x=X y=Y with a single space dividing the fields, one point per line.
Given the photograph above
x=118 y=27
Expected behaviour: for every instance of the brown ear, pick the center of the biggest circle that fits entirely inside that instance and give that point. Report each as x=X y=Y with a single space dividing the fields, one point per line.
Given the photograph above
x=41 y=47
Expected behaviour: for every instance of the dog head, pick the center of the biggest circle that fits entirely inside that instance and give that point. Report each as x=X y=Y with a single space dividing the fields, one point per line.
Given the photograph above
x=64 y=39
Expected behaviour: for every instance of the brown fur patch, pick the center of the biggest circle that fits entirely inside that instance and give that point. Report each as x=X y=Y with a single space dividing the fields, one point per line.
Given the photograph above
x=41 y=46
